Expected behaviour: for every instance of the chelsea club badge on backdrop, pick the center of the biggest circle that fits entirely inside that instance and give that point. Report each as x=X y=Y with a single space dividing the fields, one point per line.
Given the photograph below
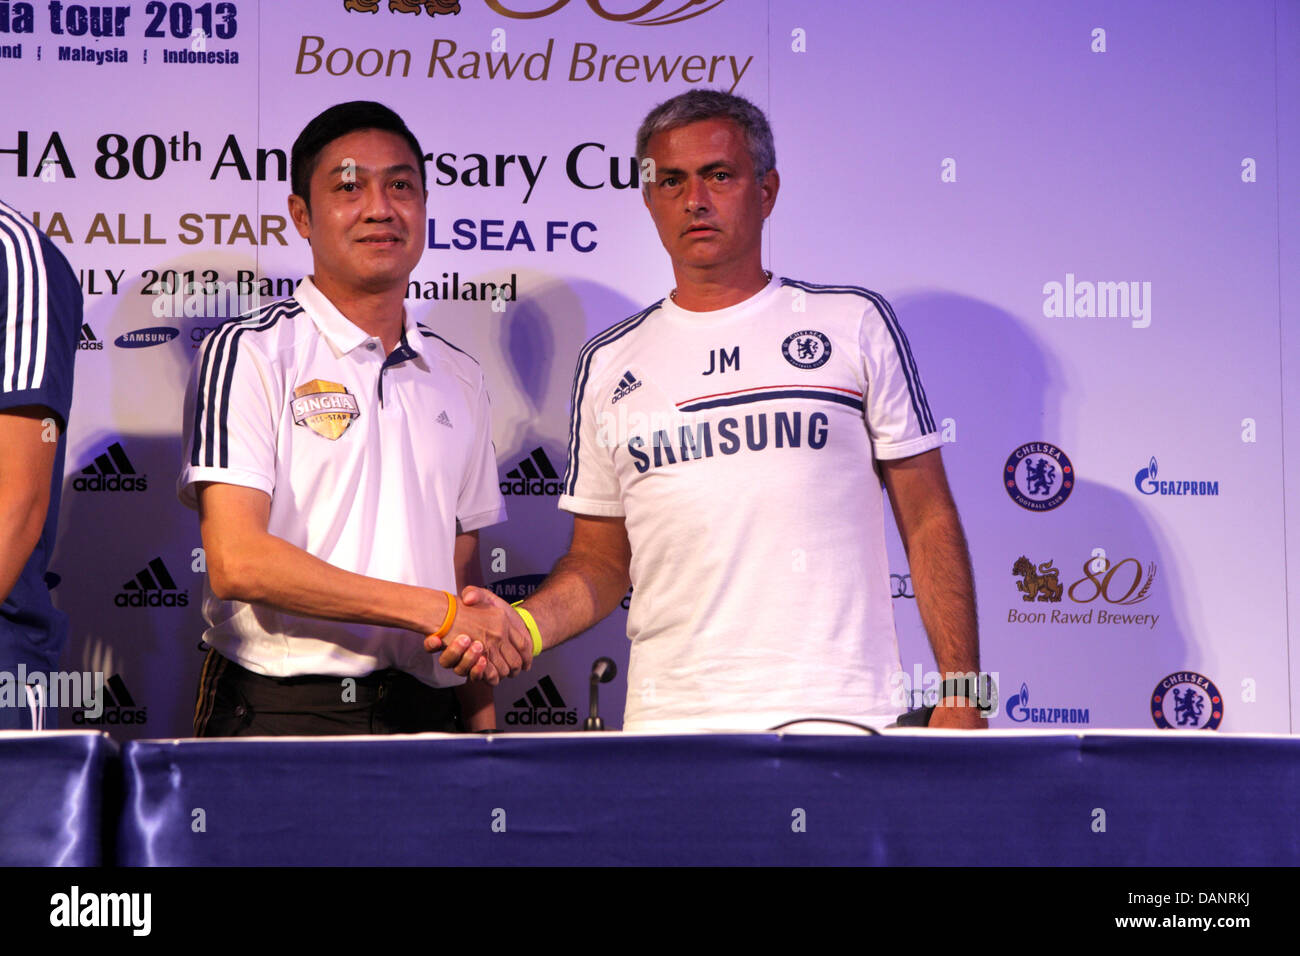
x=1186 y=700
x=1038 y=476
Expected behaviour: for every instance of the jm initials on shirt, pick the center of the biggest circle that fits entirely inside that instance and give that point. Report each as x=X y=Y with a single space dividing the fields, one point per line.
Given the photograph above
x=327 y=408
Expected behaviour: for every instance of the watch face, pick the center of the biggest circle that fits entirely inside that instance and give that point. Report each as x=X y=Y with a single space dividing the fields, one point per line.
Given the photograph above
x=988 y=695
x=984 y=693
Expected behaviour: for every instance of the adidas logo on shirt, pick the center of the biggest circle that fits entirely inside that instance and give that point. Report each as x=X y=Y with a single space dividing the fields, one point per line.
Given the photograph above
x=88 y=340
x=111 y=471
x=626 y=386
x=118 y=706
x=535 y=475
x=442 y=419
x=542 y=706
x=152 y=587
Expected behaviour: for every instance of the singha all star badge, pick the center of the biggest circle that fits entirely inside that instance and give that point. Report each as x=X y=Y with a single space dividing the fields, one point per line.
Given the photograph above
x=1186 y=700
x=1038 y=476
x=327 y=408
x=806 y=349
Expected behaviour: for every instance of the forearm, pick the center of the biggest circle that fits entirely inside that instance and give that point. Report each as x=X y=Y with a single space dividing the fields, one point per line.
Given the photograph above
x=580 y=591
x=945 y=592
x=266 y=569
x=476 y=697
x=21 y=520
x=476 y=705
x=27 y=455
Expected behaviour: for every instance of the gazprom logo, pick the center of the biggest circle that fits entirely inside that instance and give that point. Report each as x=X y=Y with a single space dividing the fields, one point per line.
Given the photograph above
x=1146 y=478
x=1147 y=483
x=1018 y=709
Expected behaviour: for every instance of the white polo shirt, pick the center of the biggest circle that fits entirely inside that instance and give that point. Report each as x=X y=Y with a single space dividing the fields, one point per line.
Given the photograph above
x=373 y=464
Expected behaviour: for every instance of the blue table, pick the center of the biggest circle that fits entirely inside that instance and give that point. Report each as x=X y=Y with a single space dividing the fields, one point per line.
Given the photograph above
x=1171 y=799
x=51 y=797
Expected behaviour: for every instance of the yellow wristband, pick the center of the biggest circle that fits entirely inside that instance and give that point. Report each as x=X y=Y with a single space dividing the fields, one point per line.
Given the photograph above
x=531 y=625
x=451 y=616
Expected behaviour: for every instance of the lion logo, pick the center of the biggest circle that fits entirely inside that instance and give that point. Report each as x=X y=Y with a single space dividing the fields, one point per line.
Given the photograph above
x=1041 y=584
x=431 y=7
x=1040 y=475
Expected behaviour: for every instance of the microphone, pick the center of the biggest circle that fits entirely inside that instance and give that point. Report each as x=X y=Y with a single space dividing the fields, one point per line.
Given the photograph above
x=603 y=670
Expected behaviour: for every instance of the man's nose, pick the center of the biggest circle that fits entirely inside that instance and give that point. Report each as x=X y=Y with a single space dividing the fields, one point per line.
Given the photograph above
x=378 y=203
x=697 y=196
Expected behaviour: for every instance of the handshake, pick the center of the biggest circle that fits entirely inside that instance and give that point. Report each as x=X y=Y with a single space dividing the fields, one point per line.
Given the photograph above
x=487 y=641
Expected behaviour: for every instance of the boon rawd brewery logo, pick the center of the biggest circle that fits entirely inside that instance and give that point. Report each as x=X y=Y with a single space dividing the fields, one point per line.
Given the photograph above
x=1120 y=584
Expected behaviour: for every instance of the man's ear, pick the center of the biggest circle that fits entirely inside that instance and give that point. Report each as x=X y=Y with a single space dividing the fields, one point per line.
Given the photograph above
x=769 y=186
x=301 y=216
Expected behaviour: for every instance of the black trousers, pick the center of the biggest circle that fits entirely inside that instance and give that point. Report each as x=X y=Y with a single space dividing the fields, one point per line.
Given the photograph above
x=235 y=702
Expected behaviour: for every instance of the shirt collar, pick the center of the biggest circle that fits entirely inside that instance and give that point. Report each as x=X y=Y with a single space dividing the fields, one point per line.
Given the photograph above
x=342 y=335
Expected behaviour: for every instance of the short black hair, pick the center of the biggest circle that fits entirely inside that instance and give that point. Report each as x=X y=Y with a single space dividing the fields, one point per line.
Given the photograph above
x=339 y=121
x=696 y=105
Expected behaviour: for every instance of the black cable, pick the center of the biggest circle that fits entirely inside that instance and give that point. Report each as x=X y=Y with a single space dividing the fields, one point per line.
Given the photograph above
x=825 y=720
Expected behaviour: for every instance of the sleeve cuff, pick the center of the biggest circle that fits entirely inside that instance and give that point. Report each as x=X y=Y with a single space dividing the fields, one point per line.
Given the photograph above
x=467 y=523
x=908 y=448
x=191 y=476
x=590 y=506
x=39 y=397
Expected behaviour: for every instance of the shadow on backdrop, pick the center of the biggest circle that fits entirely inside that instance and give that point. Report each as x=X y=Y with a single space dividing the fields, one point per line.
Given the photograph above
x=987 y=372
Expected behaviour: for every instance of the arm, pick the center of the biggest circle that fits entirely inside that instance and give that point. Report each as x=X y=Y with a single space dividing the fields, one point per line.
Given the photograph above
x=248 y=563
x=941 y=573
x=26 y=468
x=476 y=704
x=583 y=587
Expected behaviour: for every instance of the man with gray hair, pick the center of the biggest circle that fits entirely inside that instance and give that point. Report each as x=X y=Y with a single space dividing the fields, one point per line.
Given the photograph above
x=726 y=453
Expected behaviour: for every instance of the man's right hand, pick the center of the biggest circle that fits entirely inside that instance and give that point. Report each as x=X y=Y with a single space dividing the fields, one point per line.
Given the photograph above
x=487 y=641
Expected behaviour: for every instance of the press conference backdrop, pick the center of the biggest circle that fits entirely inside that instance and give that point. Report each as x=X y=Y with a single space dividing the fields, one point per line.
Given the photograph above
x=1084 y=214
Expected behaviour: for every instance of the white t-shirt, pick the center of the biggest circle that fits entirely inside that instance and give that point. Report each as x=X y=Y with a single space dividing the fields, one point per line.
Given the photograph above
x=740 y=445
x=373 y=464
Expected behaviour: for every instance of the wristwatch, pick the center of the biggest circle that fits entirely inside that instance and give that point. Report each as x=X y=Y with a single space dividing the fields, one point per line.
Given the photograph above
x=982 y=692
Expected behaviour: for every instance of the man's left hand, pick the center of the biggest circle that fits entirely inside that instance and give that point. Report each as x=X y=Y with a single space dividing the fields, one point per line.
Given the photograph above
x=957 y=713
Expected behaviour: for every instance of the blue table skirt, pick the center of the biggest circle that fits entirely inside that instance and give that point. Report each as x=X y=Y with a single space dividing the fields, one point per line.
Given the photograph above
x=52 y=788
x=1168 y=799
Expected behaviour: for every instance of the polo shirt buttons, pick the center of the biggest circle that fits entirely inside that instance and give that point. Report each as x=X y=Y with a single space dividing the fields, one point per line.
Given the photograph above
x=370 y=346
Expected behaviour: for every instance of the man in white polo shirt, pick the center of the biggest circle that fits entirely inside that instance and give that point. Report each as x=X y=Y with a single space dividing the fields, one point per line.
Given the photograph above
x=340 y=458
x=726 y=455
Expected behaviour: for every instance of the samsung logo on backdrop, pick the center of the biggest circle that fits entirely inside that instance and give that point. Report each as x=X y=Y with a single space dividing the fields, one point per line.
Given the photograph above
x=143 y=338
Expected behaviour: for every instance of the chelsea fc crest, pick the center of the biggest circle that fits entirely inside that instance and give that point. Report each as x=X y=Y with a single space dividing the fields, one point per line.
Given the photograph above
x=806 y=349
x=1038 y=476
x=1187 y=701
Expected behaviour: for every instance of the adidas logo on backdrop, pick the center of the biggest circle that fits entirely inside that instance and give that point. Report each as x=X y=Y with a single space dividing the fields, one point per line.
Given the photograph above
x=535 y=475
x=542 y=706
x=119 y=706
x=111 y=471
x=88 y=340
x=153 y=586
